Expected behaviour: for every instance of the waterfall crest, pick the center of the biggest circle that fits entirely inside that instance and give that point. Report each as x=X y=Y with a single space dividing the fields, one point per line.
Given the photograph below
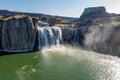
x=48 y=36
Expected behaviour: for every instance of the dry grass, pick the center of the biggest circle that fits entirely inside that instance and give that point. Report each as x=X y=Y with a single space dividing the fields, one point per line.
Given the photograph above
x=11 y=17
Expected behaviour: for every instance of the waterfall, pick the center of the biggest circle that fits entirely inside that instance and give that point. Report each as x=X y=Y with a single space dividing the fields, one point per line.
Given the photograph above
x=48 y=36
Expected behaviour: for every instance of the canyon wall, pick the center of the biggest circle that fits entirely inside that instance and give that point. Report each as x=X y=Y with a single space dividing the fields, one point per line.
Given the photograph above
x=103 y=30
x=17 y=33
x=104 y=39
x=100 y=33
x=22 y=33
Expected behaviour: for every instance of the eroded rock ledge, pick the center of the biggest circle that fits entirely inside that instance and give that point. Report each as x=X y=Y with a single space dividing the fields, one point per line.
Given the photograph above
x=17 y=33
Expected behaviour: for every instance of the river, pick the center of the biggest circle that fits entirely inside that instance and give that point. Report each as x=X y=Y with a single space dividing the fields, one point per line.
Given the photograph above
x=59 y=64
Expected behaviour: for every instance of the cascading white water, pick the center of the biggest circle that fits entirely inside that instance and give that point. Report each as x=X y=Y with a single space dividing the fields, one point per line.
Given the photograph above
x=48 y=36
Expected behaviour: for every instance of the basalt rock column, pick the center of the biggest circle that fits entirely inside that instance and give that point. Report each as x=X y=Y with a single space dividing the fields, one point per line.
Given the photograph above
x=18 y=33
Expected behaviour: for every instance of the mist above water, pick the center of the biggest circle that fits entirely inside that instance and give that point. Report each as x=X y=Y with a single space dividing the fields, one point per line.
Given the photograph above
x=73 y=64
x=60 y=63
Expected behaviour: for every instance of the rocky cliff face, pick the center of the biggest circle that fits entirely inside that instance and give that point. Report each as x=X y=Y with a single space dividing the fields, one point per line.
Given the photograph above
x=103 y=30
x=68 y=35
x=104 y=39
x=74 y=36
x=93 y=13
x=96 y=30
x=17 y=33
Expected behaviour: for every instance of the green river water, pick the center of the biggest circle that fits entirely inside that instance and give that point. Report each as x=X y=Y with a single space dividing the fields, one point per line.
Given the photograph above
x=59 y=64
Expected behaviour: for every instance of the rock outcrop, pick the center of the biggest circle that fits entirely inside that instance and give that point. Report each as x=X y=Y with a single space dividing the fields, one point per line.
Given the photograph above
x=17 y=33
x=68 y=35
x=93 y=13
x=102 y=32
x=74 y=36
x=103 y=39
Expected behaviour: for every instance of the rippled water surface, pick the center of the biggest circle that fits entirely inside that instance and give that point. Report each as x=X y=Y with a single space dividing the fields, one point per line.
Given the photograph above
x=60 y=64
